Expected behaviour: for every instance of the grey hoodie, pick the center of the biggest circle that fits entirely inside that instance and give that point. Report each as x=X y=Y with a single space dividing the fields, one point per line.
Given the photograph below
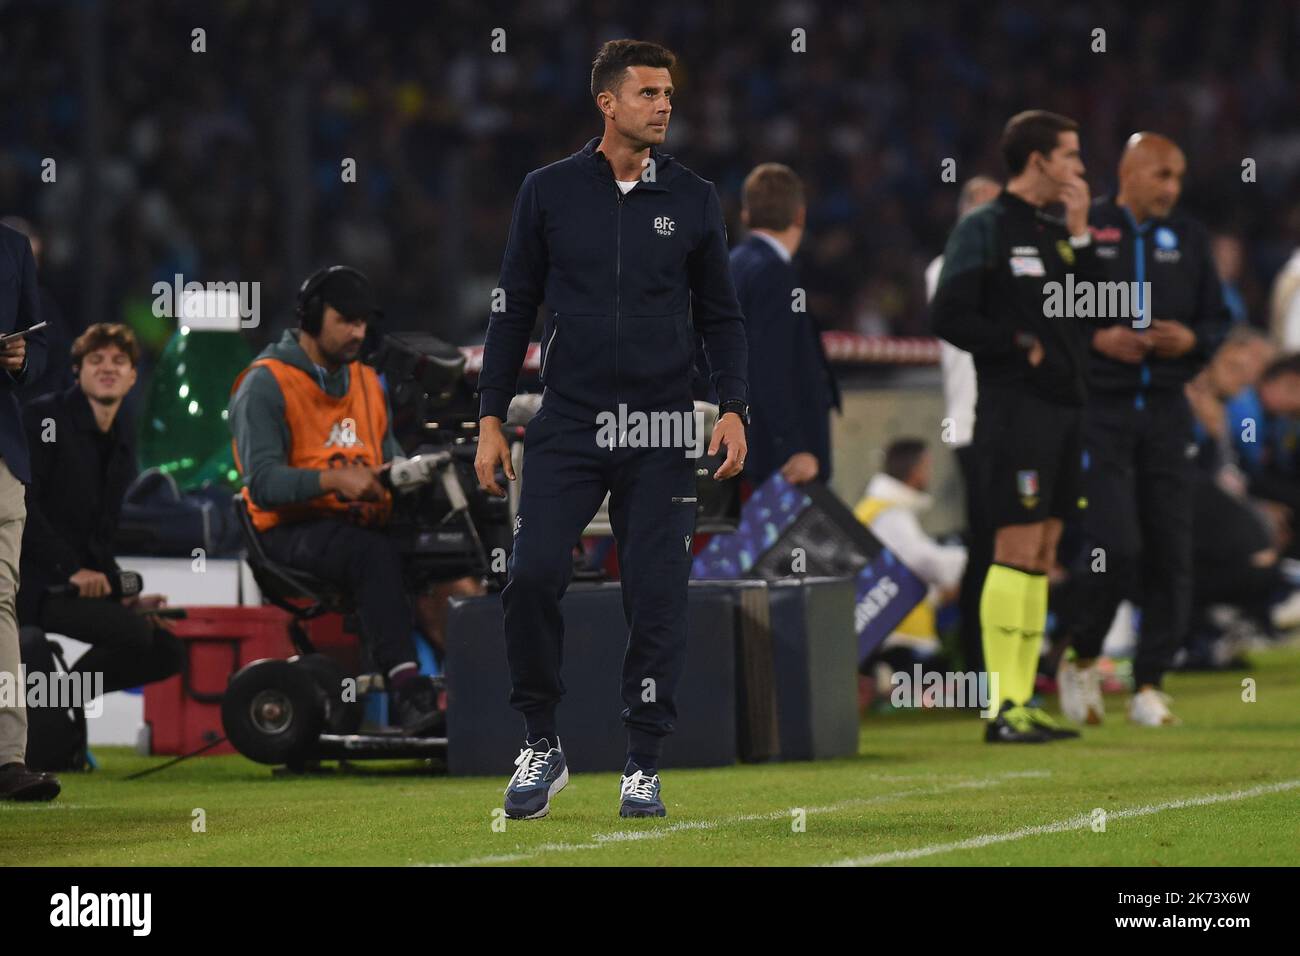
x=261 y=432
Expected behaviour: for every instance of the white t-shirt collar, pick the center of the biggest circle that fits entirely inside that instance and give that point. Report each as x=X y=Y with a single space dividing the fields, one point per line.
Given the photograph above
x=781 y=250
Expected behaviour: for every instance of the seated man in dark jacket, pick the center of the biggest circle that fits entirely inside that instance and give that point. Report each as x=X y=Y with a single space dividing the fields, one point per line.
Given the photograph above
x=82 y=463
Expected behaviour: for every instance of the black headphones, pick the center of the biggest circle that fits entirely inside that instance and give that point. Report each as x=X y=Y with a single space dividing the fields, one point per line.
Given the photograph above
x=310 y=308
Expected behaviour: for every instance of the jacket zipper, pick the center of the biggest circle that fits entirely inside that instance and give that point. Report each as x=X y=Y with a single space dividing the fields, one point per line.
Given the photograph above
x=1140 y=271
x=550 y=344
x=618 y=283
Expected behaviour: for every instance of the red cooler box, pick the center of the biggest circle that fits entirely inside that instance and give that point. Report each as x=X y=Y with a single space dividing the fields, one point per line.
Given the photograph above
x=184 y=712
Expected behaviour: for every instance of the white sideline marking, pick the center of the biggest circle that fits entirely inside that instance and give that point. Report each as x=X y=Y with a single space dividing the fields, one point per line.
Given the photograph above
x=658 y=832
x=913 y=777
x=1080 y=822
x=516 y=857
x=601 y=840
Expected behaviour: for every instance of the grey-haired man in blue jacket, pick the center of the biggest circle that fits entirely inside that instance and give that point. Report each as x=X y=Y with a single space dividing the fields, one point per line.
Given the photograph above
x=628 y=249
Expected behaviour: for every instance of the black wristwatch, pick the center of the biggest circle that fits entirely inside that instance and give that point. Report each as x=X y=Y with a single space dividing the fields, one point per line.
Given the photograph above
x=738 y=407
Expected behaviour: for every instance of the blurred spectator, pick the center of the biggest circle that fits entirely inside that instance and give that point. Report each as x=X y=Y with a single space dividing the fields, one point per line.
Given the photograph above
x=1264 y=427
x=1227 y=252
x=1284 y=305
x=1235 y=368
x=890 y=507
x=1237 y=540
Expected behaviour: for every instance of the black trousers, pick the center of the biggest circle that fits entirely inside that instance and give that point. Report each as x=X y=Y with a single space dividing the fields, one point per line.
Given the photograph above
x=565 y=478
x=1139 y=483
x=1226 y=533
x=363 y=561
x=979 y=552
x=126 y=647
x=1271 y=484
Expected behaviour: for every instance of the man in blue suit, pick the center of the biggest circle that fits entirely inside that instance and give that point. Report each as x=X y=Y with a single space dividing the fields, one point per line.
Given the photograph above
x=792 y=387
x=21 y=360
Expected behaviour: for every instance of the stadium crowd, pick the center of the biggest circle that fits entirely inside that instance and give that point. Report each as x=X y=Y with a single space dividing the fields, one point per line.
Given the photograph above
x=443 y=129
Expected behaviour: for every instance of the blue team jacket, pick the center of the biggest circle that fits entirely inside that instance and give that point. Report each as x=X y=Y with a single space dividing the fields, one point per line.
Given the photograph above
x=622 y=277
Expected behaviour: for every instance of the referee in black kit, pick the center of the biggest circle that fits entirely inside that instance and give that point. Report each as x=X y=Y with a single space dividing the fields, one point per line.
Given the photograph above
x=1000 y=267
x=626 y=246
x=1138 y=430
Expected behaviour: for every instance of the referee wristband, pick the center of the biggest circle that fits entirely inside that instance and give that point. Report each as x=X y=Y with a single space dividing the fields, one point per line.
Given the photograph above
x=1079 y=242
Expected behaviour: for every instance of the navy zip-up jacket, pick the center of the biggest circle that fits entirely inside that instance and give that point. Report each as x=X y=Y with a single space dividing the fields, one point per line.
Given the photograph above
x=1173 y=254
x=621 y=276
x=20 y=308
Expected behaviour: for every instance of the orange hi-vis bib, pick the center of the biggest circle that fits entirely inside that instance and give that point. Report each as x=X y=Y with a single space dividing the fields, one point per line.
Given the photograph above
x=326 y=432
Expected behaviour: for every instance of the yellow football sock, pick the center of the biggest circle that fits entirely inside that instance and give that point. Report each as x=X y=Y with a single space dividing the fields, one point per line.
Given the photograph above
x=1031 y=643
x=1002 y=616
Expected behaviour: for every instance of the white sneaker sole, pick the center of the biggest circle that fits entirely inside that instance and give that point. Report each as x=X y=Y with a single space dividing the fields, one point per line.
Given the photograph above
x=1170 y=721
x=560 y=783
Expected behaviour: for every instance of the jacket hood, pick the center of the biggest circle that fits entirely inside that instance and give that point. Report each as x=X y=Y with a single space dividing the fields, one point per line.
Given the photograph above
x=287 y=350
x=892 y=490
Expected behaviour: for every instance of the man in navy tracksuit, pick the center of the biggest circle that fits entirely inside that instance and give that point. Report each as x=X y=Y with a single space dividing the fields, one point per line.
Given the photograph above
x=626 y=247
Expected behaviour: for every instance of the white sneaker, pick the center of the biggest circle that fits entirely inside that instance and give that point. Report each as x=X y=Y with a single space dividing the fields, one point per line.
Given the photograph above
x=1150 y=708
x=1080 y=691
x=1286 y=614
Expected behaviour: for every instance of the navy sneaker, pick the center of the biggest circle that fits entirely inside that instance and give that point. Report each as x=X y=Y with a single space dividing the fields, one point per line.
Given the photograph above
x=640 y=795
x=541 y=772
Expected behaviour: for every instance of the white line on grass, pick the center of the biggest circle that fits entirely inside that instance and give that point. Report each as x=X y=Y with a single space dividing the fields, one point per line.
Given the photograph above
x=977 y=784
x=601 y=840
x=913 y=777
x=1080 y=822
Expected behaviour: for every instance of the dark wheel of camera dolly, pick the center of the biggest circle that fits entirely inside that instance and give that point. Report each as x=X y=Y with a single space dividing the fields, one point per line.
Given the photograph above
x=274 y=712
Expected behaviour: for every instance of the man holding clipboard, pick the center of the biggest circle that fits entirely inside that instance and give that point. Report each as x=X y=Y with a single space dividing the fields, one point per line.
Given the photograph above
x=22 y=357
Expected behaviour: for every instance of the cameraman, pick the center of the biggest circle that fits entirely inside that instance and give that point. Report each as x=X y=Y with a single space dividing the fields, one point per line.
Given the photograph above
x=312 y=438
x=82 y=463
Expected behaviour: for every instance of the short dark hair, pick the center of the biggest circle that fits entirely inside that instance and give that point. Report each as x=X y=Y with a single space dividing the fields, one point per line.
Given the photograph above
x=1033 y=131
x=101 y=335
x=1286 y=365
x=772 y=194
x=616 y=56
x=902 y=456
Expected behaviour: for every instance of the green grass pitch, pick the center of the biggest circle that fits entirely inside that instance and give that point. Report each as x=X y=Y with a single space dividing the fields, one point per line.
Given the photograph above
x=1222 y=789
